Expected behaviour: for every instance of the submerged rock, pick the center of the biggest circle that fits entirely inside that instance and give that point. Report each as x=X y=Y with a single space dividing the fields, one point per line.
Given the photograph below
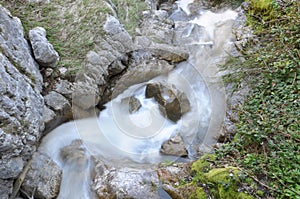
x=174 y=146
x=43 y=178
x=173 y=102
x=43 y=51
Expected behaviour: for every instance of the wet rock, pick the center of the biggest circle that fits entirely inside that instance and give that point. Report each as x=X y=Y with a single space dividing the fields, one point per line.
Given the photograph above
x=133 y=104
x=173 y=102
x=43 y=51
x=43 y=178
x=12 y=168
x=110 y=182
x=174 y=146
x=21 y=104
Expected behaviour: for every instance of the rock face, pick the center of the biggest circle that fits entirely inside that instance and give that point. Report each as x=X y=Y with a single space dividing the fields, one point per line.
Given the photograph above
x=42 y=183
x=44 y=52
x=21 y=104
x=174 y=146
x=174 y=103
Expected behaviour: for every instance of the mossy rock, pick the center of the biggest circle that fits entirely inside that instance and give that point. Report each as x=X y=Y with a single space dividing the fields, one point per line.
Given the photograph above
x=220 y=182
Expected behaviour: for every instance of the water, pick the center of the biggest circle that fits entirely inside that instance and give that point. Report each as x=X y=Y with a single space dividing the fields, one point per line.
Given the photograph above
x=121 y=138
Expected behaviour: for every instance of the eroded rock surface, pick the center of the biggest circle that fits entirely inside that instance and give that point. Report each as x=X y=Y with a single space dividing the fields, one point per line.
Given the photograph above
x=43 y=178
x=21 y=104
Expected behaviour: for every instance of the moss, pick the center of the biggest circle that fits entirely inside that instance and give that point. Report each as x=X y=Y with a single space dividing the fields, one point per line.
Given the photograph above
x=203 y=163
x=222 y=183
x=198 y=194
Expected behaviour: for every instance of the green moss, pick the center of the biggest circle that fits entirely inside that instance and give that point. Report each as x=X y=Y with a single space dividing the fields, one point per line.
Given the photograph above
x=198 y=194
x=203 y=164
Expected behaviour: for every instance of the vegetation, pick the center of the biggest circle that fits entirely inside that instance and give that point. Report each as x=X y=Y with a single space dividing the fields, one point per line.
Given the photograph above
x=74 y=26
x=266 y=147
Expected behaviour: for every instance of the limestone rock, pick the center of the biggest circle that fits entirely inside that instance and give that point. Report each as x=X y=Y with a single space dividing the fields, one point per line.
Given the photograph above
x=174 y=146
x=21 y=104
x=110 y=182
x=45 y=181
x=57 y=102
x=133 y=104
x=173 y=102
x=43 y=51
x=12 y=168
x=6 y=187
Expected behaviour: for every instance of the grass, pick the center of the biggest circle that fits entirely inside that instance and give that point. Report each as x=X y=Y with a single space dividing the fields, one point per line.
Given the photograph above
x=73 y=26
x=267 y=144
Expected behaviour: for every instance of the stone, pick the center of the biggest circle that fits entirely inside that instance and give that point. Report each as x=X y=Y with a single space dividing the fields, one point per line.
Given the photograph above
x=173 y=103
x=21 y=102
x=12 y=168
x=43 y=51
x=174 y=146
x=6 y=187
x=110 y=182
x=44 y=176
x=57 y=102
x=133 y=104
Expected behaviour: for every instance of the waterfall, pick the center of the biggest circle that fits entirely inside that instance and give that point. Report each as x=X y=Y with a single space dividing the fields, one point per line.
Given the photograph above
x=117 y=136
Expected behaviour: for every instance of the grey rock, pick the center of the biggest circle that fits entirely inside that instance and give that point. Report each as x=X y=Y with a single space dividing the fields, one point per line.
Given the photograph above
x=38 y=1
x=48 y=72
x=12 y=168
x=44 y=52
x=57 y=102
x=133 y=104
x=110 y=182
x=44 y=176
x=48 y=115
x=6 y=187
x=21 y=104
x=64 y=87
x=158 y=26
x=174 y=146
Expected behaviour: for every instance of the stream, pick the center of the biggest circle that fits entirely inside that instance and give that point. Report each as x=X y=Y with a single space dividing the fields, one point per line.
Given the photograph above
x=125 y=139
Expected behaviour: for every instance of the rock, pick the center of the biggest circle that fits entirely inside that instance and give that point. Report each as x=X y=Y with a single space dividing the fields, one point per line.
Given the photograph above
x=45 y=181
x=173 y=102
x=21 y=102
x=157 y=26
x=38 y=1
x=48 y=72
x=6 y=187
x=174 y=146
x=57 y=102
x=110 y=182
x=133 y=104
x=12 y=168
x=43 y=51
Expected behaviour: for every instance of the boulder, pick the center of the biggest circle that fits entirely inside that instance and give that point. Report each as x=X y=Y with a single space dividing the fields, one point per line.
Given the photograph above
x=110 y=182
x=173 y=102
x=174 y=146
x=43 y=51
x=42 y=183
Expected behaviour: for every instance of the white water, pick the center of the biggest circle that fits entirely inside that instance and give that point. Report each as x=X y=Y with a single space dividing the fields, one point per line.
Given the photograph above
x=120 y=138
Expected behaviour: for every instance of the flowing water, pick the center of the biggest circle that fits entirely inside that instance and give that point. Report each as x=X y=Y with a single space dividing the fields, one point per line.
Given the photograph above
x=118 y=137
